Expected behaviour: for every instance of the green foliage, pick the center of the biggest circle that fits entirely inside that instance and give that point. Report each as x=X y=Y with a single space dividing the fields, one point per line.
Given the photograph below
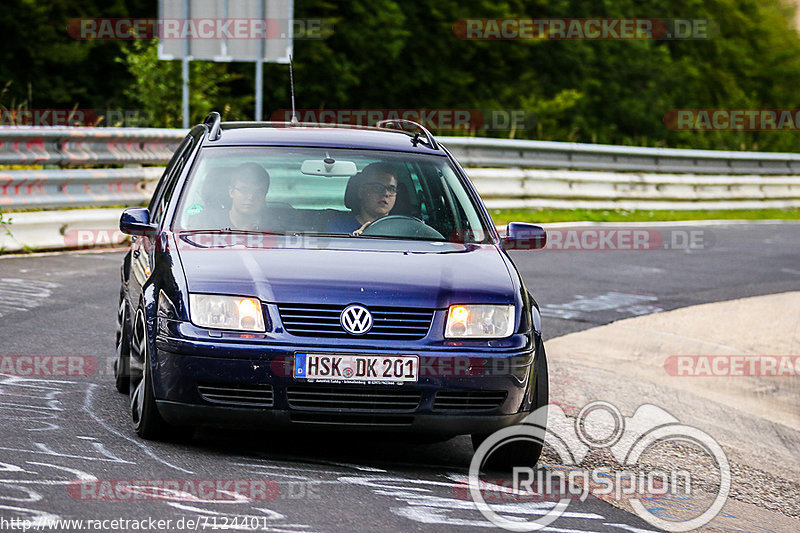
x=157 y=87
x=387 y=54
x=5 y=223
x=43 y=61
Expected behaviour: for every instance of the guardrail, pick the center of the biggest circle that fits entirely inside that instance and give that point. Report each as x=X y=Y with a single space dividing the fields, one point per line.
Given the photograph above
x=482 y=152
x=511 y=174
x=27 y=189
x=506 y=188
x=71 y=147
x=87 y=146
x=507 y=173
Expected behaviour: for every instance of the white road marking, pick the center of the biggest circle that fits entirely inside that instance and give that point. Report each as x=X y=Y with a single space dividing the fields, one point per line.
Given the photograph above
x=259 y=520
x=23 y=294
x=626 y=527
x=87 y=406
x=439 y=516
x=423 y=506
x=620 y=302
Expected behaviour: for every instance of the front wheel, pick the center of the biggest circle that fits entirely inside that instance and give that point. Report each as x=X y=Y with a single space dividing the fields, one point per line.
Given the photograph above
x=147 y=421
x=526 y=450
x=122 y=355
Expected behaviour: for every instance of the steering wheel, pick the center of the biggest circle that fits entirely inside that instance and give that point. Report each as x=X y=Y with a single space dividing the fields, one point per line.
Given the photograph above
x=401 y=226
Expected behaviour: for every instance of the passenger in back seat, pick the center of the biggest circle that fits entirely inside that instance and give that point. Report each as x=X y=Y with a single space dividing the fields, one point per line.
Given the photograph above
x=370 y=195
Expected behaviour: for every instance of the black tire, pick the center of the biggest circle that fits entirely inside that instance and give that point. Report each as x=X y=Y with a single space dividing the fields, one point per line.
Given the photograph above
x=523 y=452
x=541 y=393
x=122 y=360
x=147 y=421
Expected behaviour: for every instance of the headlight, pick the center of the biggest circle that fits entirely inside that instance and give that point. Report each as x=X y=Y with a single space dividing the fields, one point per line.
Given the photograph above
x=226 y=312
x=479 y=321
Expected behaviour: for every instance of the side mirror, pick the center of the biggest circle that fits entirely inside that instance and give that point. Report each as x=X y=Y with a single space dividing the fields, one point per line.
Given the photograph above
x=136 y=221
x=523 y=236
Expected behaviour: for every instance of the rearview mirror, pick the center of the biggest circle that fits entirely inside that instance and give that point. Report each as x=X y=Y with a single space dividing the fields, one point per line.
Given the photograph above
x=328 y=168
x=523 y=236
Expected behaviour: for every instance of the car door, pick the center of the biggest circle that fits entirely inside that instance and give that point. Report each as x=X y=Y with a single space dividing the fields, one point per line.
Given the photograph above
x=143 y=247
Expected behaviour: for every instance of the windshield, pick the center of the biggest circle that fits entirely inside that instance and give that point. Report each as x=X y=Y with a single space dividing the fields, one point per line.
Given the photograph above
x=337 y=192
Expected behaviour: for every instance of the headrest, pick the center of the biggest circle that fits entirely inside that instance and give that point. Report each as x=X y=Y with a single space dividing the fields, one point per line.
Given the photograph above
x=215 y=188
x=351 y=192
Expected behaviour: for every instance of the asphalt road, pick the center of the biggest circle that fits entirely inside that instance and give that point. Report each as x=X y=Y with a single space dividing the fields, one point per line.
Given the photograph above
x=57 y=431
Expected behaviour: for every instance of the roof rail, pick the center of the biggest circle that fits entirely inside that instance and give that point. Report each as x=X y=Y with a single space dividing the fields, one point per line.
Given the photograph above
x=400 y=122
x=213 y=122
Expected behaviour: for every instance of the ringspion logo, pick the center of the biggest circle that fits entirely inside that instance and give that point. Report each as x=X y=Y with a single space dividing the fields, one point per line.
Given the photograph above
x=628 y=439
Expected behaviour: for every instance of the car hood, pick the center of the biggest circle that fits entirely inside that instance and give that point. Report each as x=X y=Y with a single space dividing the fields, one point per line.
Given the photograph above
x=344 y=271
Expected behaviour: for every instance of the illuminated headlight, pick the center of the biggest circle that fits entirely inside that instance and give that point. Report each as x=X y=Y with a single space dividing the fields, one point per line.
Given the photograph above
x=226 y=312
x=479 y=321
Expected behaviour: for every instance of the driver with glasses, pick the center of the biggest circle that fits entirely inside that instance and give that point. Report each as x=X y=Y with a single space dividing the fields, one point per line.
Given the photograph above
x=375 y=196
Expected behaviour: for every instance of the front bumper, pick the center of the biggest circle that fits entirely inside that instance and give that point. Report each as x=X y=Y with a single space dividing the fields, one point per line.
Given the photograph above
x=183 y=369
x=268 y=419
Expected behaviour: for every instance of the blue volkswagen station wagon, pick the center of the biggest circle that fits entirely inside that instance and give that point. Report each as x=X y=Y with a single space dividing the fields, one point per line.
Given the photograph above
x=308 y=276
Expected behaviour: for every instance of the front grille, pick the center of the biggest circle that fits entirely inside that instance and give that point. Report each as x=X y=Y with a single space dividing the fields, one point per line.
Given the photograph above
x=242 y=395
x=352 y=398
x=468 y=400
x=389 y=323
x=351 y=419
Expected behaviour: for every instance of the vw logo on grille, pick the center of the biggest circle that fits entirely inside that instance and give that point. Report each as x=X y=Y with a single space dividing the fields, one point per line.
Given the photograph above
x=356 y=319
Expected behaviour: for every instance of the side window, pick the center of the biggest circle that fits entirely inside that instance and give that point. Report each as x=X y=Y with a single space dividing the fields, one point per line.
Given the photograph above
x=168 y=171
x=419 y=192
x=163 y=193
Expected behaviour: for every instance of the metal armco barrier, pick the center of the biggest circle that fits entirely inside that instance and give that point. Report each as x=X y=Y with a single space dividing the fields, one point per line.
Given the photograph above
x=87 y=146
x=528 y=188
x=21 y=189
x=482 y=152
x=64 y=147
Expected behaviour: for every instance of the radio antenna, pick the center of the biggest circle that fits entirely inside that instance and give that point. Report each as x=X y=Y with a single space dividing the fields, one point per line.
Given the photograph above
x=291 y=82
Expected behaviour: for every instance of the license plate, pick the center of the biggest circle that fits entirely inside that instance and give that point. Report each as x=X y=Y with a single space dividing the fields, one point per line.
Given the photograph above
x=339 y=368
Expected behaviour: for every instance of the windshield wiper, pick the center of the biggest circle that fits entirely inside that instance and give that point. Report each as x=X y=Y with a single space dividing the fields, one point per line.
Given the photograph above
x=231 y=230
